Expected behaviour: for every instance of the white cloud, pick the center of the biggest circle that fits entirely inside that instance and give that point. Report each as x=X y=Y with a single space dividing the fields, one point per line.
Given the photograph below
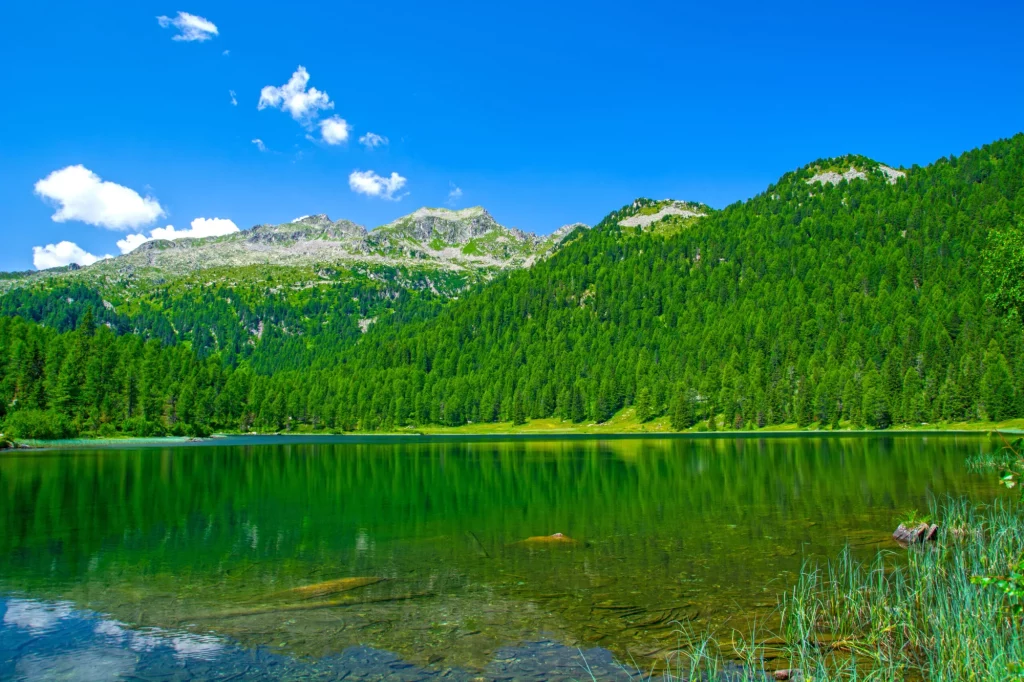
x=82 y=195
x=37 y=616
x=294 y=98
x=371 y=140
x=226 y=52
x=132 y=242
x=234 y=100
x=334 y=130
x=201 y=227
x=454 y=194
x=191 y=27
x=373 y=185
x=259 y=144
x=61 y=254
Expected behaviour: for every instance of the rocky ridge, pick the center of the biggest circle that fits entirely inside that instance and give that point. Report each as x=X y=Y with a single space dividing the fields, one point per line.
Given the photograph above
x=859 y=169
x=469 y=241
x=677 y=208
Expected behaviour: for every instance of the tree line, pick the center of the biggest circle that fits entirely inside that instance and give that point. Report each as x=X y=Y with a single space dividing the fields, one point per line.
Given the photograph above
x=867 y=303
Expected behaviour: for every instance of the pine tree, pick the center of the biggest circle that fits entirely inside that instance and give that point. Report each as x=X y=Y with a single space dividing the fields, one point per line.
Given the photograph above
x=913 y=397
x=996 y=386
x=644 y=407
x=518 y=409
x=682 y=410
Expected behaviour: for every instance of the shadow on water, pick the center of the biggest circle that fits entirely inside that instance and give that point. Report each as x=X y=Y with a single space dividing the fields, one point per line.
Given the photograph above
x=661 y=534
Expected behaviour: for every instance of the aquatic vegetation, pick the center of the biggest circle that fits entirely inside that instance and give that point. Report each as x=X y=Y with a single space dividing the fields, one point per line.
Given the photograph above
x=912 y=517
x=919 y=615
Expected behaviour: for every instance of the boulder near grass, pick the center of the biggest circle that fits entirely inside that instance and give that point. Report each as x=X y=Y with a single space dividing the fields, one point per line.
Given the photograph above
x=950 y=614
x=922 y=616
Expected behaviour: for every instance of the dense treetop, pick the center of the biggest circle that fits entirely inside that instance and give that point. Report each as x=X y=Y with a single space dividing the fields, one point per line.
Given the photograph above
x=875 y=300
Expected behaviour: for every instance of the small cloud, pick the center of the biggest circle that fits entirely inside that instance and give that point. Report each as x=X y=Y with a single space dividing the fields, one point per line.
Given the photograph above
x=334 y=130
x=36 y=616
x=293 y=97
x=226 y=52
x=190 y=27
x=454 y=194
x=61 y=254
x=200 y=227
x=371 y=140
x=373 y=185
x=259 y=144
x=234 y=100
x=132 y=242
x=84 y=196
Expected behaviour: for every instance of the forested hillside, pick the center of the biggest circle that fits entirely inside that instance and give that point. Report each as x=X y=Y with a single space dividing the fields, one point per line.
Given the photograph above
x=280 y=296
x=861 y=301
x=846 y=294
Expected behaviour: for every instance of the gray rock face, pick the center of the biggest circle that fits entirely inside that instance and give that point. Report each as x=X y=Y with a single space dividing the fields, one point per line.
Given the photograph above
x=318 y=220
x=307 y=227
x=454 y=228
x=565 y=230
x=468 y=241
x=679 y=208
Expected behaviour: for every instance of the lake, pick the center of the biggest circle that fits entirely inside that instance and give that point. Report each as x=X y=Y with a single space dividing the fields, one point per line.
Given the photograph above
x=227 y=559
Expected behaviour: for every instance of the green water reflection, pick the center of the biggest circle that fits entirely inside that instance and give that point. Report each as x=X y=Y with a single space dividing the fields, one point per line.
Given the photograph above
x=705 y=532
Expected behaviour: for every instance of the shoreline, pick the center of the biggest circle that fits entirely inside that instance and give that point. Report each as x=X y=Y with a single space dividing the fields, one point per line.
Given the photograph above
x=471 y=434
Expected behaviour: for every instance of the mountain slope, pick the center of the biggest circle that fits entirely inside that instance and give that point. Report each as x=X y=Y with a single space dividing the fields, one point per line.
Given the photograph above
x=858 y=300
x=835 y=296
x=468 y=241
x=282 y=294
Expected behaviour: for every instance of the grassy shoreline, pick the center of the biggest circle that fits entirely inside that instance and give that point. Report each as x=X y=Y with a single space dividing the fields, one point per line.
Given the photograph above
x=617 y=427
x=623 y=424
x=915 y=614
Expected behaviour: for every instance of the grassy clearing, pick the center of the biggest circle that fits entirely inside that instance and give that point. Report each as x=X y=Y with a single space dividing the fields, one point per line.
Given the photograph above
x=896 y=617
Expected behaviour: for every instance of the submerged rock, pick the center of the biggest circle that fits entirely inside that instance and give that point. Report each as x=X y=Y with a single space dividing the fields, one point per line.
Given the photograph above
x=328 y=587
x=555 y=539
x=792 y=674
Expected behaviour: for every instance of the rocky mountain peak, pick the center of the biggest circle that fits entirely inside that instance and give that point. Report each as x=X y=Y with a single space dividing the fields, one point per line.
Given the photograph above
x=644 y=212
x=318 y=220
x=849 y=168
x=564 y=230
x=308 y=227
x=452 y=227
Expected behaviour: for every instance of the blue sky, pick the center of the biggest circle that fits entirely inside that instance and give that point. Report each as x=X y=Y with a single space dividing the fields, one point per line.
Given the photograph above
x=545 y=113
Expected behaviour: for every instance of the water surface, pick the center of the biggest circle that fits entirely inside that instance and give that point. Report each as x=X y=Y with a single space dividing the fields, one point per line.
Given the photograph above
x=664 y=534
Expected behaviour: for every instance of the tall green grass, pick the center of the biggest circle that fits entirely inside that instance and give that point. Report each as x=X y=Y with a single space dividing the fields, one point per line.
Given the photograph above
x=903 y=615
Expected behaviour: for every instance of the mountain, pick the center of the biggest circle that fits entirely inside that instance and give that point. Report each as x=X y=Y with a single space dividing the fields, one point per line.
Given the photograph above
x=311 y=285
x=468 y=242
x=847 y=293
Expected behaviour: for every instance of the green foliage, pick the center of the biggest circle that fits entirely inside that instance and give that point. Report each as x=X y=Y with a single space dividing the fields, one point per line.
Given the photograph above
x=912 y=517
x=1011 y=586
x=38 y=424
x=862 y=303
x=921 y=617
x=1004 y=266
